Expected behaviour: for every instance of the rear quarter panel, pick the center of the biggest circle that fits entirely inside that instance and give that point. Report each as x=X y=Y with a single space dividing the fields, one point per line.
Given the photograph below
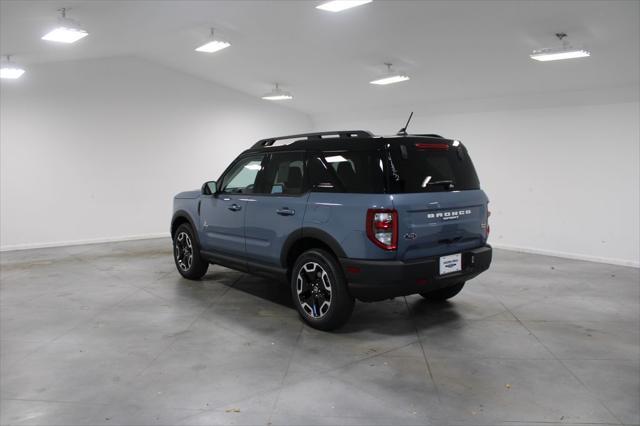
x=343 y=217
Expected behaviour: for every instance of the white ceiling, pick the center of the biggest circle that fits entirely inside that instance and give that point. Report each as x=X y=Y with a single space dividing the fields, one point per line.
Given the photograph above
x=453 y=50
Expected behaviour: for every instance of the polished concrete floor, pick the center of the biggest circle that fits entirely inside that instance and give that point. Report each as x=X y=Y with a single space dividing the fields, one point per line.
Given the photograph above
x=110 y=334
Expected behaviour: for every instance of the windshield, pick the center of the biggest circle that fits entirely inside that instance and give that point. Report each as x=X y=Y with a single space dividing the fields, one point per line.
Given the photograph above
x=427 y=165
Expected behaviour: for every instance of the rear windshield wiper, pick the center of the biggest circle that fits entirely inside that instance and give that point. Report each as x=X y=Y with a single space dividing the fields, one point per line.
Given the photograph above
x=448 y=183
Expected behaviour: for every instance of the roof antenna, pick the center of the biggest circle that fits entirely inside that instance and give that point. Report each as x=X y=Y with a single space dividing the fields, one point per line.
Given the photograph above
x=403 y=131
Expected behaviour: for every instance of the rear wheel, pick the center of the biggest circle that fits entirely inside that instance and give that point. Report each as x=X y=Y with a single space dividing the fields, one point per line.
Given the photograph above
x=443 y=294
x=319 y=290
x=186 y=254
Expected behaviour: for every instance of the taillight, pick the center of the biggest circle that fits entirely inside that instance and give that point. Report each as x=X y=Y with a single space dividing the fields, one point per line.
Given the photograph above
x=486 y=225
x=382 y=228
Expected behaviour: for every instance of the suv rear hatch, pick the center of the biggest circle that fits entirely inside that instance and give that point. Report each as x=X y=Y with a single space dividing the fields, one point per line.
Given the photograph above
x=436 y=191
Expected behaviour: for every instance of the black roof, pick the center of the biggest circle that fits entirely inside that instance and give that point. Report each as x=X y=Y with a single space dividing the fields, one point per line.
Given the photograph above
x=334 y=140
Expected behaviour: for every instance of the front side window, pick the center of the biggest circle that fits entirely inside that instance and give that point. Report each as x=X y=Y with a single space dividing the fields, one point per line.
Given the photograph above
x=285 y=174
x=241 y=179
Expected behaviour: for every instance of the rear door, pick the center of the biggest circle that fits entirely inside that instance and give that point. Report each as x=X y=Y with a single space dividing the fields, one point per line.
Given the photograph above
x=441 y=208
x=277 y=208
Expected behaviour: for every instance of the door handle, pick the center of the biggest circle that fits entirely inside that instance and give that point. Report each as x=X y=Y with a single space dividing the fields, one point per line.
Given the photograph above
x=234 y=207
x=286 y=211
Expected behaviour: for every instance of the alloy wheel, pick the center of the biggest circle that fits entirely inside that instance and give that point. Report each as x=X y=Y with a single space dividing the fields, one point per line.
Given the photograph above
x=313 y=287
x=183 y=249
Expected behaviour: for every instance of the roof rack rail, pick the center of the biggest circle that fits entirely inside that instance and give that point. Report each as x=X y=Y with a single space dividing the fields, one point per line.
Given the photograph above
x=315 y=136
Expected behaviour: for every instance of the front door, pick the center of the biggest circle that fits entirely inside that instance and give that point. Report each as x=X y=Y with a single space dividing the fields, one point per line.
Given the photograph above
x=223 y=215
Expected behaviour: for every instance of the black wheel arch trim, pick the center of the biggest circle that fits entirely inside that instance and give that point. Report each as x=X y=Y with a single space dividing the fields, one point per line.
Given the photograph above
x=310 y=232
x=182 y=214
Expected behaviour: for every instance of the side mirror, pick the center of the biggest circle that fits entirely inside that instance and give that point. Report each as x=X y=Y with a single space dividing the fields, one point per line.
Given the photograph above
x=209 y=188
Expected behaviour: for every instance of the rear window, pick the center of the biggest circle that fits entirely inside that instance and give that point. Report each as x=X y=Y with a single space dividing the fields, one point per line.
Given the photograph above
x=347 y=171
x=284 y=173
x=430 y=166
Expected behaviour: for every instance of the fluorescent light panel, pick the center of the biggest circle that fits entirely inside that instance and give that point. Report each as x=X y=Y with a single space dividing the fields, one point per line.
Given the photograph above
x=556 y=55
x=65 y=35
x=10 y=72
x=277 y=97
x=390 y=80
x=340 y=5
x=213 y=46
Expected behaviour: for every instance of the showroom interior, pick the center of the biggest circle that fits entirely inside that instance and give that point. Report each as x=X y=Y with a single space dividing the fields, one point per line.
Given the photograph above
x=109 y=108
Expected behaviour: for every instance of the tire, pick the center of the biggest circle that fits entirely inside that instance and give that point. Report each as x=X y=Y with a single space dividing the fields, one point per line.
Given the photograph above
x=443 y=294
x=186 y=254
x=319 y=290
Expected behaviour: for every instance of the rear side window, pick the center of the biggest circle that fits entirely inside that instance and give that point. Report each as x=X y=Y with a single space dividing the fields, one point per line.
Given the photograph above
x=428 y=166
x=346 y=171
x=284 y=174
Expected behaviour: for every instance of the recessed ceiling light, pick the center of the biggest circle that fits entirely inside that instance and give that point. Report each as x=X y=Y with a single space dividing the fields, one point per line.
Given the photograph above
x=213 y=45
x=10 y=70
x=68 y=31
x=340 y=5
x=558 y=53
x=277 y=94
x=392 y=77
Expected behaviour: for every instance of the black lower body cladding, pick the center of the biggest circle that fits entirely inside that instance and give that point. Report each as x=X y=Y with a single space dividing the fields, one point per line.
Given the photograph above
x=378 y=280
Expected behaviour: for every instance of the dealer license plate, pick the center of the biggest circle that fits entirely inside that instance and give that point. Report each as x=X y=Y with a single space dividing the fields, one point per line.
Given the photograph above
x=451 y=263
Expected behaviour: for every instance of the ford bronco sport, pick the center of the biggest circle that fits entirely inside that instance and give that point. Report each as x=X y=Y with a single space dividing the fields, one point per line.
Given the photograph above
x=341 y=216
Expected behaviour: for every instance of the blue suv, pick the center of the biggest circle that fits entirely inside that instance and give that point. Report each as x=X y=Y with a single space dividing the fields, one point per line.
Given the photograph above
x=341 y=216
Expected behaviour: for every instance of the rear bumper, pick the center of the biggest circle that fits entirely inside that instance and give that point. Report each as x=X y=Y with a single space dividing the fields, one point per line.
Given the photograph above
x=371 y=280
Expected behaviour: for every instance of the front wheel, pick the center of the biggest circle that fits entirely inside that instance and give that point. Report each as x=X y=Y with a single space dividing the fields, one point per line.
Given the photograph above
x=443 y=294
x=186 y=254
x=319 y=290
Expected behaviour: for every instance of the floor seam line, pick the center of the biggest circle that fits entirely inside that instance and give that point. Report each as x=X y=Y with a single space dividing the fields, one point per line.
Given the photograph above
x=286 y=373
x=424 y=353
x=175 y=337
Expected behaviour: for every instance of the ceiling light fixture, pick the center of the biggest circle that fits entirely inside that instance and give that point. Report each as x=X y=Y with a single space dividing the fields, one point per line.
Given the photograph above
x=213 y=45
x=340 y=5
x=391 y=78
x=277 y=94
x=566 y=51
x=68 y=30
x=10 y=70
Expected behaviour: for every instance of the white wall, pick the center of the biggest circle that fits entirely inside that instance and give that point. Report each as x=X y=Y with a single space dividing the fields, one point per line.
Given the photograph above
x=562 y=180
x=96 y=149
